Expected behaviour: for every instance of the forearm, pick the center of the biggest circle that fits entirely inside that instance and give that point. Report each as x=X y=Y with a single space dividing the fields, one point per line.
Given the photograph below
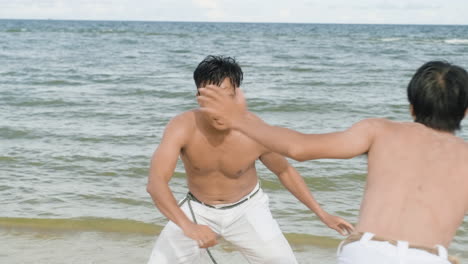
x=298 y=146
x=166 y=203
x=280 y=140
x=297 y=186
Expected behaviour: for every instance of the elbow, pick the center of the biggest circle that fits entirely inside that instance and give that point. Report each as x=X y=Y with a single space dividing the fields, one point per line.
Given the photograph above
x=296 y=153
x=300 y=159
x=150 y=189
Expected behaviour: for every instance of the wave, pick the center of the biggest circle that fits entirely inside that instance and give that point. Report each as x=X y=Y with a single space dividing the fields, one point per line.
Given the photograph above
x=98 y=31
x=312 y=240
x=457 y=41
x=15 y=133
x=299 y=106
x=180 y=51
x=43 y=102
x=11 y=73
x=6 y=158
x=57 y=83
x=133 y=227
x=390 y=39
x=304 y=69
x=82 y=224
x=16 y=30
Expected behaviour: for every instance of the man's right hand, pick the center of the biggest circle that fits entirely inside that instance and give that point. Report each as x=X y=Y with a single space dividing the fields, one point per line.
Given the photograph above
x=229 y=111
x=204 y=236
x=337 y=223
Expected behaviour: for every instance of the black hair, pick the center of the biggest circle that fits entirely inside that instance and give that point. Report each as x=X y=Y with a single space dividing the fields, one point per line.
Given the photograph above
x=438 y=93
x=214 y=69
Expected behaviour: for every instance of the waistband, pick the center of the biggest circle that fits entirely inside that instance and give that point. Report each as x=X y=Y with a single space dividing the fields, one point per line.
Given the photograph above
x=438 y=250
x=244 y=199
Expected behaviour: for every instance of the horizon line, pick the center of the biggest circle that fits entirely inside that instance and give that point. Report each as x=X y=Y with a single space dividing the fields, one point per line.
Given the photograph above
x=229 y=22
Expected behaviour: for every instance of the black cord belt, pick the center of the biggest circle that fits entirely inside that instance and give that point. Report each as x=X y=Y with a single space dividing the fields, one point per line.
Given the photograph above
x=191 y=197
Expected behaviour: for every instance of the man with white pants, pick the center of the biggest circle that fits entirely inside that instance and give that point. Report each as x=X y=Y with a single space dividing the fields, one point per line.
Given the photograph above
x=247 y=226
x=416 y=194
x=224 y=199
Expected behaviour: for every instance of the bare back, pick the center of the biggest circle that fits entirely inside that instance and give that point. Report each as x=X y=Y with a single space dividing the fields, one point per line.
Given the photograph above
x=417 y=186
x=220 y=165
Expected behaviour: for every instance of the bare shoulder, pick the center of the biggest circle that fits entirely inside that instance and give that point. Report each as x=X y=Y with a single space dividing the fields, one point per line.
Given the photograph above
x=373 y=126
x=375 y=122
x=181 y=125
x=184 y=118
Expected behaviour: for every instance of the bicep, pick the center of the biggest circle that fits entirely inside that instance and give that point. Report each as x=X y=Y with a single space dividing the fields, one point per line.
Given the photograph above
x=164 y=159
x=352 y=142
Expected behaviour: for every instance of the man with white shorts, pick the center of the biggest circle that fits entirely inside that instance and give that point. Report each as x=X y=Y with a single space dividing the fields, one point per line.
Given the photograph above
x=416 y=193
x=224 y=199
x=367 y=248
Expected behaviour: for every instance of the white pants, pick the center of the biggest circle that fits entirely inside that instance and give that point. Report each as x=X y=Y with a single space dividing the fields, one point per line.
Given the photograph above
x=249 y=226
x=367 y=251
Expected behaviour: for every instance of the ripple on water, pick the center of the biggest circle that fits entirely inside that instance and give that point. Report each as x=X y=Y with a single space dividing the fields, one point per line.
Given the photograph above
x=16 y=133
x=85 y=116
x=5 y=188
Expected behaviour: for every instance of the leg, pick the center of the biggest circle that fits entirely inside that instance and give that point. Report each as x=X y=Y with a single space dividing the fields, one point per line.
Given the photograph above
x=257 y=234
x=173 y=247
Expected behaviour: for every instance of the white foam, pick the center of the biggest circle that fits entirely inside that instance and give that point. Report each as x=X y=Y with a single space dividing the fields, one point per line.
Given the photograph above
x=390 y=39
x=456 y=41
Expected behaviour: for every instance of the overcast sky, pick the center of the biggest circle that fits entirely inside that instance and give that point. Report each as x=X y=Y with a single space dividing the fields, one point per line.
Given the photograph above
x=301 y=11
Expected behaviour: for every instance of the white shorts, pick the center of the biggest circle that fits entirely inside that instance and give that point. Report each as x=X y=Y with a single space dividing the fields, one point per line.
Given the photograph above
x=249 y=226
x=367 y=251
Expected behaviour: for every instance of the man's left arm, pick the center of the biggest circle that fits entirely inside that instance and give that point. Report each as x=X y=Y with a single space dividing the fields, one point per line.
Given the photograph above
x=291 y=179
x=355 y=141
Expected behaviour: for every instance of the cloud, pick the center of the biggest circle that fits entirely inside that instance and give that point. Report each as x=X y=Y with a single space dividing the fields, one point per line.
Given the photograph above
x=212 y=9
x=302 y=11
x=285 y=13
x=377 y=4
x=210 y=4
x=409 y=5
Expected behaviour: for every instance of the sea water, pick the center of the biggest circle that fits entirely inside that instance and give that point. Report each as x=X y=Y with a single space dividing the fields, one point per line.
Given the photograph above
x=83 y=105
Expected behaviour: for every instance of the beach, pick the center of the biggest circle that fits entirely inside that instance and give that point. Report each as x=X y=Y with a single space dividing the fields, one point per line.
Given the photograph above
x=111 y=241
x=83 y=105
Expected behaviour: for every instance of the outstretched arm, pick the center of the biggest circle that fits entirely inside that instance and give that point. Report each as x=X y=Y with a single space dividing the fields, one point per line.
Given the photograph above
x=291 y=179
x=162 y=167
x=339 y=145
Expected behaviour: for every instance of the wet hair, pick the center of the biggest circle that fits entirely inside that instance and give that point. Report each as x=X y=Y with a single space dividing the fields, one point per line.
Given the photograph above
x=438 y=93
x=214 y=69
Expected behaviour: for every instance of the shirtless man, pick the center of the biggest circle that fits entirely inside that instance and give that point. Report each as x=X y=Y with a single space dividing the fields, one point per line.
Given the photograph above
x=224 y=199
x=416 y=194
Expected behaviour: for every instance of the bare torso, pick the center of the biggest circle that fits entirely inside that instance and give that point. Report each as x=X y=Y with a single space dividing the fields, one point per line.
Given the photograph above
x=220 y=165
x=417 y=186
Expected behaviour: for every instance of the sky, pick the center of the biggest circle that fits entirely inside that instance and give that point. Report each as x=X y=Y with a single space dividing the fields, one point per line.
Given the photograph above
x=290 y=11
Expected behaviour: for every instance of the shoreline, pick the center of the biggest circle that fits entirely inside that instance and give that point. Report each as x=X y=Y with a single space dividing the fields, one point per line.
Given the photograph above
x=125 y=241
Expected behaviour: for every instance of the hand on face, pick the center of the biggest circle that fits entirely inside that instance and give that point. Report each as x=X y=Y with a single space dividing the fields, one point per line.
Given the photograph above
x=225 y=110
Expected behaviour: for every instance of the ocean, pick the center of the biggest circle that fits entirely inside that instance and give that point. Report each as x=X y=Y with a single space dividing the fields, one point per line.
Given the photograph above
x=83 y=105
